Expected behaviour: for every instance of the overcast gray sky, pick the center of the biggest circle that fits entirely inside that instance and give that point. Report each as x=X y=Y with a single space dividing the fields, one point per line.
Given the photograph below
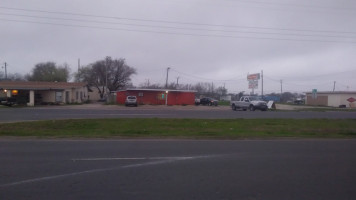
x=306 y=44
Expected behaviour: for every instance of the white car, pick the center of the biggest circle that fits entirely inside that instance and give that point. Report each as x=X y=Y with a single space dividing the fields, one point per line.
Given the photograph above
x=131 y=101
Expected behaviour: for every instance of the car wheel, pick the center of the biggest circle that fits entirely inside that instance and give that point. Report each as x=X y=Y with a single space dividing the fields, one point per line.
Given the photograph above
x=233 y=107
x=209 y=104
x=252 y=108
x=244 y=109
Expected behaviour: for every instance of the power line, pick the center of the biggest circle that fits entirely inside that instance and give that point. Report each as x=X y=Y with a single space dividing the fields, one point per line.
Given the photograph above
x=312 y=76
x=179 y=28
x=207 y=79
x=174 y=22
x=296 y=5
x=186 y=34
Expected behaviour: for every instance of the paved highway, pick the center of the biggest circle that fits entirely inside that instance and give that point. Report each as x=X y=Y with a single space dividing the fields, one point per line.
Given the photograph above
x=77 y=112
x=177 y=169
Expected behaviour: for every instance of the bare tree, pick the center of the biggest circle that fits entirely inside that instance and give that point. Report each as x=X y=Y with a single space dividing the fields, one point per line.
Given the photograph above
x=115 y=74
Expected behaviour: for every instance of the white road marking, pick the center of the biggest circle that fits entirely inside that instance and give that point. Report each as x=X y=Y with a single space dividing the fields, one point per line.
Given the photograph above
x=158 y=160
x=112 y=114
x=142 y=158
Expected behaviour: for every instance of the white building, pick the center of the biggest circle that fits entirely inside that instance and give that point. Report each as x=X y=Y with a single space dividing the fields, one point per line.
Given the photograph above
x=32 y=92
x=333 y=99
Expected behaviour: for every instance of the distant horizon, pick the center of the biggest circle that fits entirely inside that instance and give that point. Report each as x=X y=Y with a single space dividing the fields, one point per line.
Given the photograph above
x=306 y=45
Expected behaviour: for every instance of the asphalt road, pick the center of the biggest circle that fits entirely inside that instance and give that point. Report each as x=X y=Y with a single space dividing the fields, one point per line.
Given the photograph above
x=177 y=169
x=64 y=112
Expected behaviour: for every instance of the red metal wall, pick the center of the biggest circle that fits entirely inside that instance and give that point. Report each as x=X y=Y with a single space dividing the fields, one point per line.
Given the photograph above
x=157 y=97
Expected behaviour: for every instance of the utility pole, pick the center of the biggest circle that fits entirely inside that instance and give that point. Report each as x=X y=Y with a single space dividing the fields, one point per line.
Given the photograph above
x=78 y=64
x=281 y=87
x=334 y=86
x=262 y=82
x=79 y=69
x=177 y=82
x=106 y=75
x=5 y=72
x=212 y=87
x=167 y=76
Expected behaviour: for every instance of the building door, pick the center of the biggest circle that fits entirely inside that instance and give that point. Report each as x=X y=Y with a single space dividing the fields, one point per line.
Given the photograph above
x=59 y=96
x=67 y=97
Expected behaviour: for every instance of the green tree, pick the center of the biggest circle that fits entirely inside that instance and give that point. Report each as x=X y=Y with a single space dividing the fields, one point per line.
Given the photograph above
x=114 y=73
x=50 y=72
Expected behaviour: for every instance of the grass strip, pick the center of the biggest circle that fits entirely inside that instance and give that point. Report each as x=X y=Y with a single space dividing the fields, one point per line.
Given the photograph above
x=187 y=128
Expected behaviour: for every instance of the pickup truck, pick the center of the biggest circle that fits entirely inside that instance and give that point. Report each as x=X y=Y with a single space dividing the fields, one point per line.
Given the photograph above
x=249 y=102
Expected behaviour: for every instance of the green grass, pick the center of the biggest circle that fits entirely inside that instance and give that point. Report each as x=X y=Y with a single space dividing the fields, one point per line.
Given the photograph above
x=328 y=109
x=224 y=103
x=184 y=128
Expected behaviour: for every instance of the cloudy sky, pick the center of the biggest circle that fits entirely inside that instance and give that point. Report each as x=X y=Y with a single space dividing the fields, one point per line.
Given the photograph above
x=306 y=44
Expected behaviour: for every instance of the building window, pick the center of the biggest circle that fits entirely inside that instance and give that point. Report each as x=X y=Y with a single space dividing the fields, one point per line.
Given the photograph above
x=140 y=94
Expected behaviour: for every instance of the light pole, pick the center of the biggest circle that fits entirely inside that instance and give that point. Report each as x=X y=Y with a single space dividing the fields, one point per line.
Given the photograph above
x=166 y=97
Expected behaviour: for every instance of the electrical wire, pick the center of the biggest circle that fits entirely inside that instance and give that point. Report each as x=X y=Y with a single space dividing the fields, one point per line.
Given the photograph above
x=173 y=22
x=202 y=78
x=179 y=28
x=296 y=5
x=183 y=34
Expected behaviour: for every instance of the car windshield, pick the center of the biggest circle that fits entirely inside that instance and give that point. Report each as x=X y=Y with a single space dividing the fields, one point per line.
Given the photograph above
x=131 y=97
x=255 y=99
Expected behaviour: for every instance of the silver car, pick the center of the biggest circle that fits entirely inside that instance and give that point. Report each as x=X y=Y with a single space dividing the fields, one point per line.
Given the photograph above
x=131 y=101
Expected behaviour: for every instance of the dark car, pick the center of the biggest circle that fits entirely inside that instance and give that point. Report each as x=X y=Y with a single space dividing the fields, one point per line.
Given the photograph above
x=7 y=101
x=208 y=101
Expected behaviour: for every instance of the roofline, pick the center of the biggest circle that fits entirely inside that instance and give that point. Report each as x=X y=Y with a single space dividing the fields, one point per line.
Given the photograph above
x=37 y=89
x=158 y=90
x=39 y=85
x=331 y=92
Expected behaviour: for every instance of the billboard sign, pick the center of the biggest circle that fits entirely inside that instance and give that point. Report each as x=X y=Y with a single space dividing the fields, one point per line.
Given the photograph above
x=253 y=77
x=253 y=84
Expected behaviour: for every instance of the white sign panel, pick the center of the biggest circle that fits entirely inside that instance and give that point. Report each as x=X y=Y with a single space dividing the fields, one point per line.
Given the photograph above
x=253 y=84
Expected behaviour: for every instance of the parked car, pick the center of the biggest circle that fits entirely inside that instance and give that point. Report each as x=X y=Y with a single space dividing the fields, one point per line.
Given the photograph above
x=299 y=101
x=208 y=101
x=249 y=102
x=197 y=101
x=131 y=101
x=7 y=101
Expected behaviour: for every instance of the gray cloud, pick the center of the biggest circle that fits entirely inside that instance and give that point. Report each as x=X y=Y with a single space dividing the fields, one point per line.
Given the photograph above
x=306 y=44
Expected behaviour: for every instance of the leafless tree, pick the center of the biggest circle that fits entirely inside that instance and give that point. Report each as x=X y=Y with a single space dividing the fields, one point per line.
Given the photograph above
x=113 y=73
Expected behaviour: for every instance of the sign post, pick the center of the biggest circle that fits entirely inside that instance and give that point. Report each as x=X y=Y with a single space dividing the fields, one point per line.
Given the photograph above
x=314 y=93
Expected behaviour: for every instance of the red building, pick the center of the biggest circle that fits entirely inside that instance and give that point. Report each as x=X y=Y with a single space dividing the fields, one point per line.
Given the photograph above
x=158 y=96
